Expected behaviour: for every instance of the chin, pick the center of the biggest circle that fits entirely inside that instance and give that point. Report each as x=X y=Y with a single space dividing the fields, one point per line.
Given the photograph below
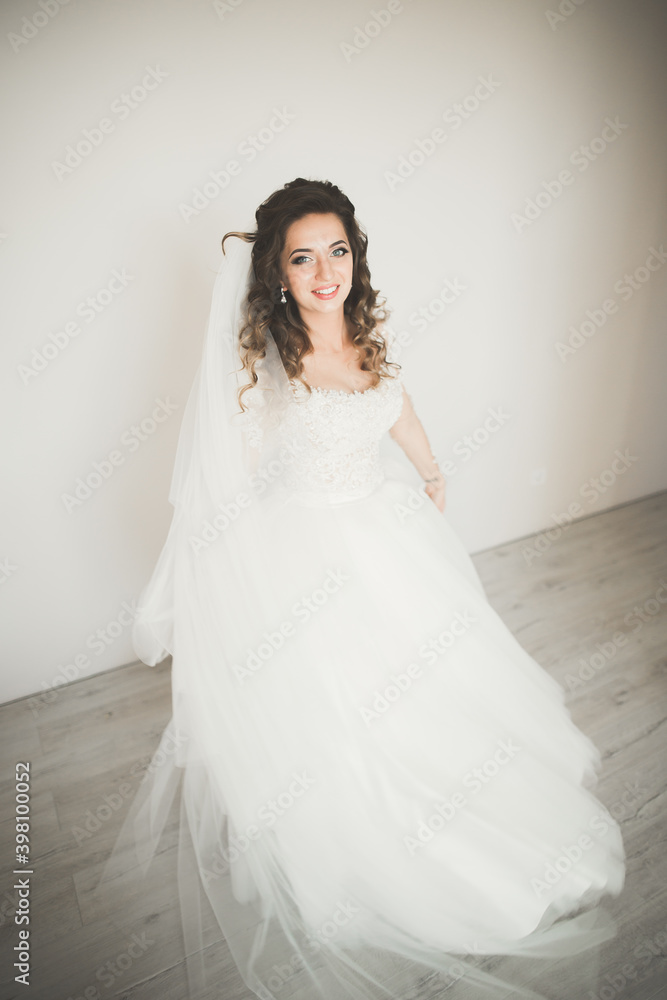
x=333 y=305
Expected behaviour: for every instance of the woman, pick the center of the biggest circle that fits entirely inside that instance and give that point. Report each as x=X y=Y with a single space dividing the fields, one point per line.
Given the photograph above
x=371 y=765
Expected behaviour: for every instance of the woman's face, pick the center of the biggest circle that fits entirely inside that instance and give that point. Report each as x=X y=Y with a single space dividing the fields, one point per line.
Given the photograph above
x=316 y=265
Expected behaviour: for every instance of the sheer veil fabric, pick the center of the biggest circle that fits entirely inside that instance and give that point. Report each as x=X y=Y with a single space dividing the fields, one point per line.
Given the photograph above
x=317 y=778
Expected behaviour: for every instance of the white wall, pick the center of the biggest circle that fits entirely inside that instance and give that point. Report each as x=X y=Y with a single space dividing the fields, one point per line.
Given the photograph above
x=220 y=71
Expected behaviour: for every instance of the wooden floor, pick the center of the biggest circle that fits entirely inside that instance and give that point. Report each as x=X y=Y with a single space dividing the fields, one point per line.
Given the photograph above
x=594 y=588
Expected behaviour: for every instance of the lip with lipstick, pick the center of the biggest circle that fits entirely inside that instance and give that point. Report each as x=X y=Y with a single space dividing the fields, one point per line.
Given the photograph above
x=326 y=291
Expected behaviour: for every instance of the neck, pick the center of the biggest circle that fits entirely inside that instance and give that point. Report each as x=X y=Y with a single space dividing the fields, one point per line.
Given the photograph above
x=330 y=335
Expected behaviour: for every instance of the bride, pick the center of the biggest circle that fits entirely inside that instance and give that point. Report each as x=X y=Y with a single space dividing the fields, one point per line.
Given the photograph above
x=376 y=782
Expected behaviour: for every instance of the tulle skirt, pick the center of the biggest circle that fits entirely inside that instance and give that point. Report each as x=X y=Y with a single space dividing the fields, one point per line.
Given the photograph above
x=376 y=781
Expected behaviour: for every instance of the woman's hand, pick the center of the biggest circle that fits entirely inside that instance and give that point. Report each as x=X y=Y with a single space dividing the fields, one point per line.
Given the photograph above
x=435 y=489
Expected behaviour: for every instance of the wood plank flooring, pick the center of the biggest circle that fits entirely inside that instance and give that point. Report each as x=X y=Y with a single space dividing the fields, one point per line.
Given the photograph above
x=589 y=602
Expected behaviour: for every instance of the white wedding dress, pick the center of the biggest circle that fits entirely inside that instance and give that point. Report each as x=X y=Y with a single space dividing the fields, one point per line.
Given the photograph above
x=372 y=765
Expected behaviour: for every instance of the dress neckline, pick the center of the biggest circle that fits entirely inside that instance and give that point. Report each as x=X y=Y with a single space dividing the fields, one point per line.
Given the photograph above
x=341 y=392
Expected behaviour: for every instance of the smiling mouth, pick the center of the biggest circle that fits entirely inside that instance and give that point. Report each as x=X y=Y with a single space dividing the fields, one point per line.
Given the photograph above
x=326 y=293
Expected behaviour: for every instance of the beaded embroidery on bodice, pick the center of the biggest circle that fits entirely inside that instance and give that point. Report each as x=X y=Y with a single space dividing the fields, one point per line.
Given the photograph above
x=339 y=437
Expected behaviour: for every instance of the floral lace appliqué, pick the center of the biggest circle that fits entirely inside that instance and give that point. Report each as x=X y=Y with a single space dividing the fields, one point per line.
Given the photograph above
x=340 y=435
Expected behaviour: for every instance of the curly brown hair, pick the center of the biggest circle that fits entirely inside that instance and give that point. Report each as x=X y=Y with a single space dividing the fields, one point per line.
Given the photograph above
x=264 y=309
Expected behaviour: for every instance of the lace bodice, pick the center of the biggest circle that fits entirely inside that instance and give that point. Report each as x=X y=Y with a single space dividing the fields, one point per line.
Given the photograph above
x=338 y=439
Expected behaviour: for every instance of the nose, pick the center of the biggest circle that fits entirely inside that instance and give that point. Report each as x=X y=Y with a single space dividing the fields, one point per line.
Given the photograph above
x=324 y=268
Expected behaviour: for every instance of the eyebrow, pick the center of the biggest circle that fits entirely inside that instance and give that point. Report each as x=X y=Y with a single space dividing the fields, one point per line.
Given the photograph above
x=306 y=250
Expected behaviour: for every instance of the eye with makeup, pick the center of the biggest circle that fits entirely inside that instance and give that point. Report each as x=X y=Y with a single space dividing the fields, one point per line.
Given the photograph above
x=339 y=251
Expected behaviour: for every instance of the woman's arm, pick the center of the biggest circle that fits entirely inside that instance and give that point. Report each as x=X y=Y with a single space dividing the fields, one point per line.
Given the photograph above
x=409 y=433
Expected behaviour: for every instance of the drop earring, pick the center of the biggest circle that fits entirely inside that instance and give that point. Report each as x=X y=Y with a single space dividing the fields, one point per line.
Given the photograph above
x=282 y=297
